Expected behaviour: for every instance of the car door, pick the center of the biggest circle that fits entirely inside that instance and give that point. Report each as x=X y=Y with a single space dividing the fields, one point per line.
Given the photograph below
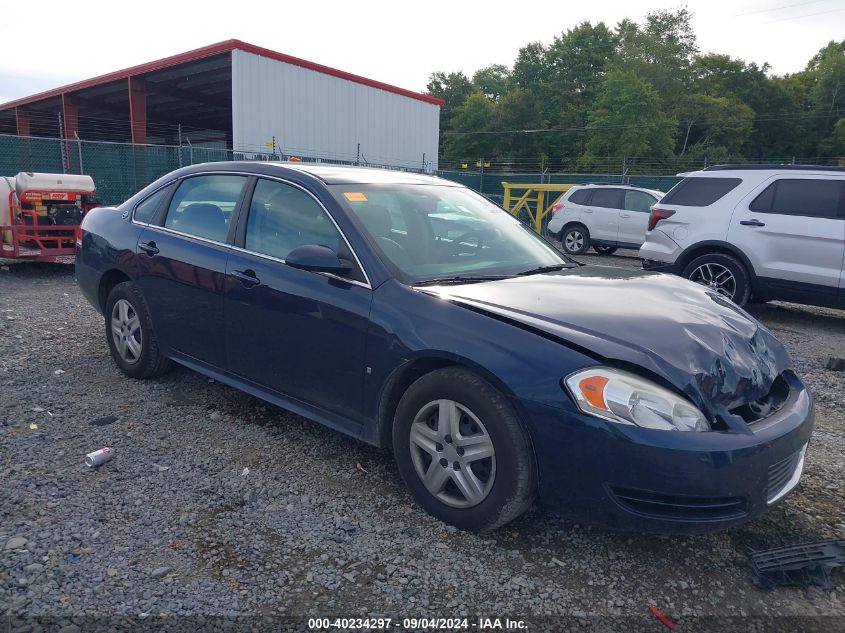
x=791 y=229
x=602 y=218
x=182 y=266
x=633 y=218
x=296 y=332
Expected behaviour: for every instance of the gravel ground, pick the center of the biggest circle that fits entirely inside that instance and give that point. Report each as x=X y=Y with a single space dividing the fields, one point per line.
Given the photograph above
x=218 y=506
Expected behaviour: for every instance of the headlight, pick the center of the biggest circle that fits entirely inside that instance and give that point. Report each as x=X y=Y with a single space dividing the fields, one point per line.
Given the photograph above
x=626 y=398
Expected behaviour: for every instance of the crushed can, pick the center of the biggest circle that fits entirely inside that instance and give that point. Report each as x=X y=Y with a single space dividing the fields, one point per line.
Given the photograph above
x=98 y=458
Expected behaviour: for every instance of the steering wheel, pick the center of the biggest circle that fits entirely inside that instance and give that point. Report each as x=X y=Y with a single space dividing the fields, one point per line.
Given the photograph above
x=479 y=234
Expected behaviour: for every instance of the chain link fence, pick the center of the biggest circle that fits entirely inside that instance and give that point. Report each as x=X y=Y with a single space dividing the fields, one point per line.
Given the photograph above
x=120 y=169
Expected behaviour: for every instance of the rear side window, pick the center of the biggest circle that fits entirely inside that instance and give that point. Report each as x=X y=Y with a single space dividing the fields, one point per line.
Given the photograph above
x=700 y=192
x=203 y=205
x=146 y=209
x=581 y=196
x=815 y=198
x=638 y=201
x=608 y=198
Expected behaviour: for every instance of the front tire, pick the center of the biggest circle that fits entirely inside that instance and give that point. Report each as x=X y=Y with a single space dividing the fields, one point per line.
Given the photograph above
x=462 y=451
x=129 y=333
x=722 y=273
x=575 y=239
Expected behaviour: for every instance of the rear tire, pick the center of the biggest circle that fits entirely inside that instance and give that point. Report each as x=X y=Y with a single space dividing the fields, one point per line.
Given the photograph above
x=722 y=273
x=575 y=239
x=604 y=250
x=454 y=432
x=129 y=333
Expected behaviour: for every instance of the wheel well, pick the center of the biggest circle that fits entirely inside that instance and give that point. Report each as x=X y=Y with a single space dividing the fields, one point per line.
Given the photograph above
x=397 y=384
x=108 y=281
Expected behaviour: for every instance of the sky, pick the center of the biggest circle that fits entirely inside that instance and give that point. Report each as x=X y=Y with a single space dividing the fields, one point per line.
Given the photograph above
x=400 y=43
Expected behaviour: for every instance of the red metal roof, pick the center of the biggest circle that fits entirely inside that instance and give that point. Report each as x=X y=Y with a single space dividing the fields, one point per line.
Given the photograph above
x=217 y=49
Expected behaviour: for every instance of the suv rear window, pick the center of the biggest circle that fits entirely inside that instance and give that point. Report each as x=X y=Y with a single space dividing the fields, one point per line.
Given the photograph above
x=581 y=196
x=810 y=197
x=699 y=192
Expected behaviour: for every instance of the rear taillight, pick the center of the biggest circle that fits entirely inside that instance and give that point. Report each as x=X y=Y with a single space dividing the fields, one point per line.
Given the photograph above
x=657 y=215
x=556 y=208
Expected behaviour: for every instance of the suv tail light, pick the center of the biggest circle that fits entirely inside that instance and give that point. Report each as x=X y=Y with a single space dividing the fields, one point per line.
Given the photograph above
x=657 y=215
x=557 y=208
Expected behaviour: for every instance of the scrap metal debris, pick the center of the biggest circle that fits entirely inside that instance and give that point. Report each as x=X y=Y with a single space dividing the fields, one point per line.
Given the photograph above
x=798 y=565
x=659 y=615
x=360 y=468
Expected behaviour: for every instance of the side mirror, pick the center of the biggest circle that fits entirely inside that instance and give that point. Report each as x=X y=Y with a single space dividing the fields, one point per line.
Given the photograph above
x=320 y=259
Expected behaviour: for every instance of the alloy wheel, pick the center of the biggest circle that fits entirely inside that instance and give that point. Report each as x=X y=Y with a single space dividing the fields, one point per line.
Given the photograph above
x=452 y=453
x=573 y=240
x=126 y=331
x=717 y=277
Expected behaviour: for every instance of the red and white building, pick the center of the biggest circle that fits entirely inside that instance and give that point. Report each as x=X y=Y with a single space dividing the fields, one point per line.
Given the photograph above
x=244 y=98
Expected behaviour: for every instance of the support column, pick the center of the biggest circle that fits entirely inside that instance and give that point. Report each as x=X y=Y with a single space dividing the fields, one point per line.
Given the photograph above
x=70 y=126
x=138 y=110
x=70 y=116
x=22 y=117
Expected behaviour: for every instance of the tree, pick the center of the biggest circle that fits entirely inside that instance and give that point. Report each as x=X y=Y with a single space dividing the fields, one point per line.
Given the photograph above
x=474 y=116
x=576 y=62
x=627 y=121
x=453 y=88
x=660 y=52
x=828 y=81
x=529 y=69
x=493 y=81
x=708 y=122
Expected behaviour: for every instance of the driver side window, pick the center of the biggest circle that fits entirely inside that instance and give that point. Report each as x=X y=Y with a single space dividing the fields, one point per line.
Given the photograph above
x=283 y=217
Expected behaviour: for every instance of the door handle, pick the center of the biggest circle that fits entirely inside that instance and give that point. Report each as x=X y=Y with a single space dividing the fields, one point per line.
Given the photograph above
x=754 y=222
x=247 y=277
x=149 y=248
x=588 y=210
x=624 y=215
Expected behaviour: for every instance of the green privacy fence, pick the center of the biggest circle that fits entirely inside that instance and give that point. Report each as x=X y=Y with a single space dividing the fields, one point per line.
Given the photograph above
x=121 y=169
x=490 y=183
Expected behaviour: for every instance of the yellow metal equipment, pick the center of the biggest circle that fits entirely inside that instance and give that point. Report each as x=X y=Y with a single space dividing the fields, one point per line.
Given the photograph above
x=533 y=201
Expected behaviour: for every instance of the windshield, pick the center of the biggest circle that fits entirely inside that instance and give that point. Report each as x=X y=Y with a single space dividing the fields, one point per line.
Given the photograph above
x=429 y=232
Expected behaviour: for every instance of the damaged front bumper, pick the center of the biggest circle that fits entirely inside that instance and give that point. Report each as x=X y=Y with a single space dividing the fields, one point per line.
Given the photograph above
x=631 y=478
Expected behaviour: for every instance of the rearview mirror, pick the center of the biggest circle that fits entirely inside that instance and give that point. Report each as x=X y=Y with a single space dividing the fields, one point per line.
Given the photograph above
x=315 y=258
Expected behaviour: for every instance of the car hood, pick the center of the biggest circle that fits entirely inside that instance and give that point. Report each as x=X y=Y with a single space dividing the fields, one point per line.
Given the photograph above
x=697 y=340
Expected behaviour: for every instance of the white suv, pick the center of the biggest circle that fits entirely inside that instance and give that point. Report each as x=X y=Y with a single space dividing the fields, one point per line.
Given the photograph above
x=602 y=216
x=755 y=232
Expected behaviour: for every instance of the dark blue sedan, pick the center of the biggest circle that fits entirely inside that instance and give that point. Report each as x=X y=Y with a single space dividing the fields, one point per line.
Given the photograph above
x=412 y=313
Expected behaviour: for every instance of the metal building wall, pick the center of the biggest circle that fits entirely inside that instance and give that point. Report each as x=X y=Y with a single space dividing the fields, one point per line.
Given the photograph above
x=312 y=114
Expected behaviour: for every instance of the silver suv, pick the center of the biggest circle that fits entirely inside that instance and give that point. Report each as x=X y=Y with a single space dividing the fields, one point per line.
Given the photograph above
x=755 y=232
x=605 y=217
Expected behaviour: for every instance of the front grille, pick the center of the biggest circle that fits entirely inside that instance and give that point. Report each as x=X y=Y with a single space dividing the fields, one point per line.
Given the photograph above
x=679 y=507
x=762 y=408
x=784 y=475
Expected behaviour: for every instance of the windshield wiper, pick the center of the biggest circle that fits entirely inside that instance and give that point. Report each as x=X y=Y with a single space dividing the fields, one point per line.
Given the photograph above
x=459 y=279
x=546 y=269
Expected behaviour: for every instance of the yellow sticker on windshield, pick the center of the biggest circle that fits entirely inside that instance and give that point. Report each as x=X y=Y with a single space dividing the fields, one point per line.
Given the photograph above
x=355 y=197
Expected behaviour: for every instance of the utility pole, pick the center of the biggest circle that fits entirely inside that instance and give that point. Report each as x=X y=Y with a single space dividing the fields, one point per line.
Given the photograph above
x=179 y=132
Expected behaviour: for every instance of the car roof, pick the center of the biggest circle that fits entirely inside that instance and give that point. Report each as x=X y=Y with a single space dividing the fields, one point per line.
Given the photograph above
x=351 y=174
x=772 y=167
x=327 y=174
x=616 y=186
x=721 y=171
